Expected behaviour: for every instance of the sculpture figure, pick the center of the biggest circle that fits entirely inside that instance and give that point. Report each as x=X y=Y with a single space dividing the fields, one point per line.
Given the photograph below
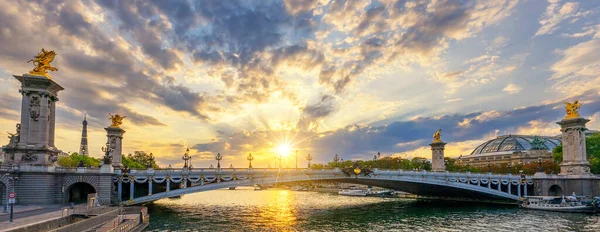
x=572 y=109
x=437 y=137
x=42 y=63
x=14 y=138
x=116 y=120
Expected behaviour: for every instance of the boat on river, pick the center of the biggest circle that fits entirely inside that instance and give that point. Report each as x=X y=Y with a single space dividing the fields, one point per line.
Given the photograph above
x=365 y=192
x=570 y=204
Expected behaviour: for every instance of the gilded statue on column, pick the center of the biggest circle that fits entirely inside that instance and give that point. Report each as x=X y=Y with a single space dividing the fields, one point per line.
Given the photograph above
x=42 y=63
x=116 y=120
x=572 y=109
x=437 y=137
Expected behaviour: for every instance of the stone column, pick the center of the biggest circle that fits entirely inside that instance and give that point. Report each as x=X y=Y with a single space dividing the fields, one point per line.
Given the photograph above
x=35 y=143
x=437 y=156
x=574 y=154
x=115 y=139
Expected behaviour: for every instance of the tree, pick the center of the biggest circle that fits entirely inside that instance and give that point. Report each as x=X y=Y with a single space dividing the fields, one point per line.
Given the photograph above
x=557 y=155
x=75 y=159
x=592 y=146
x=139 y=160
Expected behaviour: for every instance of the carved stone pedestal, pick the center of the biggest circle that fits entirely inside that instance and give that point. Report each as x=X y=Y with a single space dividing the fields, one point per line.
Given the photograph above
x=437 y=157
x=33 y=144
x=115 y=139
x=574 y=153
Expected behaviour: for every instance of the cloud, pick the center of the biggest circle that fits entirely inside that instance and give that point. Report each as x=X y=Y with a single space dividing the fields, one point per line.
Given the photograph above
x=578 y=70
x=556 y=13
x=462 y=132
x=313 y=114
x=512 y=88
x=594 y=31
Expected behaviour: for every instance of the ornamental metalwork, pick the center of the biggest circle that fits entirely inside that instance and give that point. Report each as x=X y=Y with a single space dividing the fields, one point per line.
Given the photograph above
x=219 y=157
x=107 y=159
x=186 y=158
x=250 y=158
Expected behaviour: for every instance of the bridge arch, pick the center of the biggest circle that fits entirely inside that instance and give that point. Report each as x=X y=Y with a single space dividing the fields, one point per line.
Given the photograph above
x=555 y=190
x=76 y=188
x=450 y=186
x=78 y=192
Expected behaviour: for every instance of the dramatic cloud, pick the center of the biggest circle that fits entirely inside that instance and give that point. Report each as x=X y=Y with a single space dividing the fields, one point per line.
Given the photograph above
x=345 y=76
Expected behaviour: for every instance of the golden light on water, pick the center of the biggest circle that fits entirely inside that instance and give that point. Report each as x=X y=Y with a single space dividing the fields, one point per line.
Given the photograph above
x=280 y=210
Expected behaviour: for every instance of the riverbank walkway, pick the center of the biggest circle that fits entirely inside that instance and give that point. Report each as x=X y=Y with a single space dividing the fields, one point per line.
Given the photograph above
x=24 y=216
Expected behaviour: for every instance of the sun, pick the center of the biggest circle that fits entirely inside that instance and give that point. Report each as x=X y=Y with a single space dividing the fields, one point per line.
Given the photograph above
x=284 y=149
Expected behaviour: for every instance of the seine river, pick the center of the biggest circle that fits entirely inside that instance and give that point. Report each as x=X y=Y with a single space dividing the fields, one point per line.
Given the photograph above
x=284 y=210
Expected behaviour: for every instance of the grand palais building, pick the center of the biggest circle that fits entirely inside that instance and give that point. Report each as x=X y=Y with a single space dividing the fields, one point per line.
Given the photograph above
x=513 y=149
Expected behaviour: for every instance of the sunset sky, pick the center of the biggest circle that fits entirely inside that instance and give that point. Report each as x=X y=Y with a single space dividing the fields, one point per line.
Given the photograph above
x=328 y=77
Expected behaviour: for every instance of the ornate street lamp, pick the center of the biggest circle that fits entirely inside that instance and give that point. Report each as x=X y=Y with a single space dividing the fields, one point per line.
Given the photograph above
x=309 y=158
x=219 y=157
x=336 y=158
x=107 y=159
x=186 y=158
x=540 y=169
x=509 y=166
x=151 y=160
x=489 y=165
x=250 y=158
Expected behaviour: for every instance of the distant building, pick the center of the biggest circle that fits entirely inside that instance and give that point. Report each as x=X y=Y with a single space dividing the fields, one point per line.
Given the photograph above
x=83 y=149
x=513 y=149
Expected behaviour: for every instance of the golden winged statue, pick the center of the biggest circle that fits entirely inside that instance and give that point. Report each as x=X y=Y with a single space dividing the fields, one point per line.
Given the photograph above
x=572 y=109
x=116 y=120
x=42 y=63
x=437 y=137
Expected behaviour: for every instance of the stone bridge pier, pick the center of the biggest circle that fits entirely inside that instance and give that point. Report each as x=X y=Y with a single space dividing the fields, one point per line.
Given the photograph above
x=37 y=185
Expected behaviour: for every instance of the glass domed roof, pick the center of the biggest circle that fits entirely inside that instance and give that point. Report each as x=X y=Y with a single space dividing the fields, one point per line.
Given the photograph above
x=514 y=143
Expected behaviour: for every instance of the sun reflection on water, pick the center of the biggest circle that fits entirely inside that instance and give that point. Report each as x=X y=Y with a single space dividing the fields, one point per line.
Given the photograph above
x=280 y=211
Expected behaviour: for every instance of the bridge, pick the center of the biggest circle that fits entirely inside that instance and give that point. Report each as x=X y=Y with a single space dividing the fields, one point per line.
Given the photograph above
x=33 y=174
x=423 y=183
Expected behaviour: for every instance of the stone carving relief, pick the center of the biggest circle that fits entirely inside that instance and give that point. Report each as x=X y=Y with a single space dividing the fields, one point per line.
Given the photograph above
x=29 y=158
x=34 y=106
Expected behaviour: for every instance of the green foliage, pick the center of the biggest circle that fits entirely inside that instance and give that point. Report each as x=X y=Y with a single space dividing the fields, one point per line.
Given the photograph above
x=74 y=159
x=139 y=160
x=416 y=163
x=592 y=146
x=557 y=154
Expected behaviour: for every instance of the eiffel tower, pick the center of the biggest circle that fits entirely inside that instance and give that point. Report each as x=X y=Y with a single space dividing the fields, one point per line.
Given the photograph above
x=83 y=149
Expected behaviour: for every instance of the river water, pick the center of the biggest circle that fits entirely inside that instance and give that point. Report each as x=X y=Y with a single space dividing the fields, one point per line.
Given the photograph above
x=283 y=210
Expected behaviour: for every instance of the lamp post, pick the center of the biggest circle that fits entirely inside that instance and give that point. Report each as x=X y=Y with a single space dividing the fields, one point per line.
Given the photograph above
x=107 y=159
x=309 y=158
x=489 y=165
x=375 y=158
x=9 y=178
x=219 y=157
x=186 y=158
x=336 y=158
x=296 y=159
x=5 y=210
x=250 y=158
x=540 y=169
x=151 y=160
x=509 y=166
